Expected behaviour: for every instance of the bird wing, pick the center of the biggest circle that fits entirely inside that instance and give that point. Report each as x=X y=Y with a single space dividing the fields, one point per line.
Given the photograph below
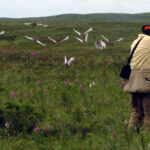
x=45 y=25
x=39 y=24
x=92 y=84
x=104 y=38
x=96 y=45
x=103 y=44
x=40 y=43
x=77 y=32
x=27 y=23
x=89 y=30
x=65 y=60
x=120 y=39
x=2 y=32
x=30 y=38
x=70 y=60
x=65 y=39
x=79 y=39
x=86 y=37
x=51 y=39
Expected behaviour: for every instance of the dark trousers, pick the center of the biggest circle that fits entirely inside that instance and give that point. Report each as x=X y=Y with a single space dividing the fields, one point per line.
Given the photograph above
x=140 y=111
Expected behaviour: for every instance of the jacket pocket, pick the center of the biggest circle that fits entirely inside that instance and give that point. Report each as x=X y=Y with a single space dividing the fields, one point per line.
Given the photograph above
x=146 y=77
x=138 y=82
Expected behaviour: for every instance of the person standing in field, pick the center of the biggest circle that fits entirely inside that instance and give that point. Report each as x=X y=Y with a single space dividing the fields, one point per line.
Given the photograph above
x=138 y=84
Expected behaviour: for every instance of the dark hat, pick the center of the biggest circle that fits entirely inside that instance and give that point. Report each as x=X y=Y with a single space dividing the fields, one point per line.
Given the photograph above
x=146 y=29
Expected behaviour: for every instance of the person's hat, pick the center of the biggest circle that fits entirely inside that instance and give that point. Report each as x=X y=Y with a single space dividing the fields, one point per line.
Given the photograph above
x=146 y=29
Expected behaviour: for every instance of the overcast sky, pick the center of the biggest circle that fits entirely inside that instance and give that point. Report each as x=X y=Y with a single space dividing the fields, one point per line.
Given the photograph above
x=37 y=8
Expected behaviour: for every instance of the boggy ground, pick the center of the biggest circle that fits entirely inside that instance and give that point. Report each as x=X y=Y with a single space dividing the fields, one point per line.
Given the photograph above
x=37 y=90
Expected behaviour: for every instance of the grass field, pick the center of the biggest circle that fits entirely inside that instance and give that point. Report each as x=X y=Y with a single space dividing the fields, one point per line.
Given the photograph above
x=37 y=90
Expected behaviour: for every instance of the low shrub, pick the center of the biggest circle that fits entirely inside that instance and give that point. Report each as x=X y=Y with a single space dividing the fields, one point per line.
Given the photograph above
x=22 y=117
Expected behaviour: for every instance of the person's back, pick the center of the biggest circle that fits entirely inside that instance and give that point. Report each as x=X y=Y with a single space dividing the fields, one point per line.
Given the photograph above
x=141 y=56
x=138 y=84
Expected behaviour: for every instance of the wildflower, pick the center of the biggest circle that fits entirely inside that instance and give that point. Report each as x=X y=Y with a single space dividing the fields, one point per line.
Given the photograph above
x=57 y=76
x=114 y=134
x=76 y=80
x=66 y=82
x=25 y=95
x=102 y=80
x=36 y=129
x=111 y=61
x=44 y=90
x=33 y=54
x=123 y=83
x=38 y=82
x=81 y=86
x=54 y=87
x=12 y=94
x=47 y=128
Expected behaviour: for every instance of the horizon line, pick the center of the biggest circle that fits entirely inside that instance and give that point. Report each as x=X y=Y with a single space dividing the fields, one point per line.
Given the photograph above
x=72 y=14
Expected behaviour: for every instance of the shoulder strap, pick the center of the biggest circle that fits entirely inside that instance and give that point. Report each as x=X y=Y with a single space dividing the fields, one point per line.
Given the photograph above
x=129 y=59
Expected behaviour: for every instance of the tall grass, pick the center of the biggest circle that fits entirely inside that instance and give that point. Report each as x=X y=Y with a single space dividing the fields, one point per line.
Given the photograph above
x=80 y=117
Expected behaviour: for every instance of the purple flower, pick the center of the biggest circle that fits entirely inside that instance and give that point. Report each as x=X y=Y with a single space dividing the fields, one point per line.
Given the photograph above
x=102 y=80
x=111 y=61
x=81 y=86
x=66 y=82
x=57 y=76
x=77 y=80
x=12 y=94
x=47 y=128
x=54 y=87
x=123 y=83
x=33 y=54
x=44 y=90
x=25 y=95
x=114 y=134
x=38 y=82
x=36 y=129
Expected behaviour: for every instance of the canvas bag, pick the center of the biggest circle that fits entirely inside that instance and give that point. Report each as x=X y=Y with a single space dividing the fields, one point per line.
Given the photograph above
x=126 y=69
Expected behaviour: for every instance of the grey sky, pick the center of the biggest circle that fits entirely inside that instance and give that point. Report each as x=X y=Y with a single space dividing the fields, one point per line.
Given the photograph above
x=36 y=8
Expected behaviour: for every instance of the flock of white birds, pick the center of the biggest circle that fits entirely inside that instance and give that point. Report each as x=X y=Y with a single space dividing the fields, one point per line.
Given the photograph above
x=82 y=37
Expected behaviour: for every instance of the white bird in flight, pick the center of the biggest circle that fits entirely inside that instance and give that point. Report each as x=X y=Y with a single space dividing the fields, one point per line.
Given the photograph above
x=92 y=84
x=68 y=62
x=82 y=35
x=85 y=40
x=111 y=42
x=58 y=42
x=100 y=44
x=35 y=24
x=34 y=40
x=2 y=32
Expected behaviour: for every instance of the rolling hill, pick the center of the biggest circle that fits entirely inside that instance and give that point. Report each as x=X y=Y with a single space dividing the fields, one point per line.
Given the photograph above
x=80 y=18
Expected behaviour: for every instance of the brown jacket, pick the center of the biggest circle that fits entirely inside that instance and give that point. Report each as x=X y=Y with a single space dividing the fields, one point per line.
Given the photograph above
x=139 y=80
x=141 y=56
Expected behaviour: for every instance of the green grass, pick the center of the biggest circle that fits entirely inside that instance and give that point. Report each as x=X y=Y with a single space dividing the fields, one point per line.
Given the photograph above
x=79 y=118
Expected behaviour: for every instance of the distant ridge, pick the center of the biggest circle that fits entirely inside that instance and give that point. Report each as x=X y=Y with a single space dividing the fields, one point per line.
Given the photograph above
x=81 y=18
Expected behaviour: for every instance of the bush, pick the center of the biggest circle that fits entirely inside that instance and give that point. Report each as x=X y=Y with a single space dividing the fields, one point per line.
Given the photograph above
x=21 y=117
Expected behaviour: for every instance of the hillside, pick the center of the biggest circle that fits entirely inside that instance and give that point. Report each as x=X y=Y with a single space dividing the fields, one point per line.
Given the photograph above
x=46 y=105
x=78 y=18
